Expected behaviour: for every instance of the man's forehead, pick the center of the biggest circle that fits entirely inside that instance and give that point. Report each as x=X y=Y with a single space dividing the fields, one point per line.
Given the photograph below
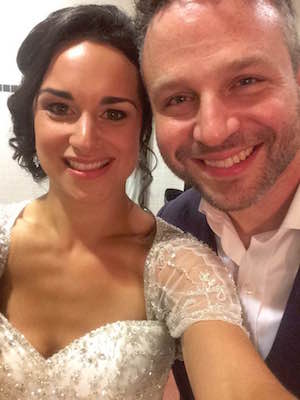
x=222 y=32
x=188 y=8
x=181 y=17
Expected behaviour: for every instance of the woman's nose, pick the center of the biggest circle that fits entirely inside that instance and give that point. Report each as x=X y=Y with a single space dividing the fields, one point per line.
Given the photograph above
x=84 y=135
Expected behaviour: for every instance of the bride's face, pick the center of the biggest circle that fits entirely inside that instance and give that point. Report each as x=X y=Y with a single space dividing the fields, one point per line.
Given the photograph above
x=87 y=120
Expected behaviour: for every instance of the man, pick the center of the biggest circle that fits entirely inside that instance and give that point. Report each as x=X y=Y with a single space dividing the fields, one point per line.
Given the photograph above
x=223 y=79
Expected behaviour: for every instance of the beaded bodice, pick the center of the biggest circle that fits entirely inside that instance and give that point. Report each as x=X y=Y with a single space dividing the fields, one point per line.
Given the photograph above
x=184 y=282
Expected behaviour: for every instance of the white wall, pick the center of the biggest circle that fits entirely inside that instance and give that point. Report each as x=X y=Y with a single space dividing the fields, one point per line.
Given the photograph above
x=163 y=178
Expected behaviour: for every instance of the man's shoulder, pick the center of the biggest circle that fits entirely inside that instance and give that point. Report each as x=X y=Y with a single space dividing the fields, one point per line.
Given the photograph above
x=186 y=203
x=183 y=212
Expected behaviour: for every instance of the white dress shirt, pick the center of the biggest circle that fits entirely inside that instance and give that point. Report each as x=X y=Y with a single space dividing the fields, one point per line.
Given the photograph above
x=264 y=273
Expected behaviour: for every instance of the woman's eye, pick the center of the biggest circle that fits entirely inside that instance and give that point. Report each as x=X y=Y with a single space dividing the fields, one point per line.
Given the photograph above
x=58 y=109
x=114 y=115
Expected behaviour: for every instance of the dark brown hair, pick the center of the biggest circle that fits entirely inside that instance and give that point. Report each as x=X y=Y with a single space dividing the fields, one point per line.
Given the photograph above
x=102 y=23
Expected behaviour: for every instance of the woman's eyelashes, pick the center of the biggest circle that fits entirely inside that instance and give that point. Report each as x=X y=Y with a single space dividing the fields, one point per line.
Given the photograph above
x=59 y=109
x=62 y=110
x=114 y=115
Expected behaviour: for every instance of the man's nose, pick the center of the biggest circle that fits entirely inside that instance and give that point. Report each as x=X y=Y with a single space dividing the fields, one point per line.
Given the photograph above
x=215 y=121
x=85 y=134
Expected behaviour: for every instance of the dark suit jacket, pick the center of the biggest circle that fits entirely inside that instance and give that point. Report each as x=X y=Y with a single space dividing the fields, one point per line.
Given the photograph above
x=284 y=357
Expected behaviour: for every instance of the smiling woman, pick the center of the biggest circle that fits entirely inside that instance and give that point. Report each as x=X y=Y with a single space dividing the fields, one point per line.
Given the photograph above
x=90 y=126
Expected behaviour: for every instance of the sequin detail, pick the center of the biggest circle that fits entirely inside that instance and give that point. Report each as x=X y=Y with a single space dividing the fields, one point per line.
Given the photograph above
x=122 y=360
x=184 y=283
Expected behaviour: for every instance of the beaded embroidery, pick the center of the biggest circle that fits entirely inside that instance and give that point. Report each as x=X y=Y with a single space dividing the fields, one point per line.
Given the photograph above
x=184 y=283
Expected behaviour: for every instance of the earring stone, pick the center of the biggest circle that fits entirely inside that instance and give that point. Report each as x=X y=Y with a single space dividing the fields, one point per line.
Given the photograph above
x=36 y=161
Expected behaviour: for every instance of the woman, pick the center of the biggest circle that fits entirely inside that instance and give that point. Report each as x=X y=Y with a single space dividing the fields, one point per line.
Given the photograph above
x=94 y=290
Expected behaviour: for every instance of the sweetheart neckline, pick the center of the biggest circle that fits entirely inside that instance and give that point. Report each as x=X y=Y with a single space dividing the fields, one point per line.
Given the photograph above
x=32 y=350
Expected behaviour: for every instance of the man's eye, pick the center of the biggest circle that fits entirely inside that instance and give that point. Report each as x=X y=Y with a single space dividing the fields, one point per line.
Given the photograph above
x=176 y=100
x=114 y=115
x=58 y=109
x=247 y=81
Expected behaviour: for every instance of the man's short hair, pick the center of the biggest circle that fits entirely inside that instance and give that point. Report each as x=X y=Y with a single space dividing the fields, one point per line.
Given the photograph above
x=147 y=9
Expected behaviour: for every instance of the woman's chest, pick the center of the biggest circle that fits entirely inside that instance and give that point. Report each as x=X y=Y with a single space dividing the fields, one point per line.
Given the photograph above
x=53 y=297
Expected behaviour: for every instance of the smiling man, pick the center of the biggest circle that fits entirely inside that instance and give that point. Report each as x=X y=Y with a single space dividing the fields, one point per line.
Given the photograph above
x=223 y=79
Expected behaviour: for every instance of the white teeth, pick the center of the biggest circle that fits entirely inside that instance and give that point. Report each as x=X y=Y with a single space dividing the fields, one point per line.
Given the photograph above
x=236 y=159
x=228 y=162
x=87 y=167
x=243 y=155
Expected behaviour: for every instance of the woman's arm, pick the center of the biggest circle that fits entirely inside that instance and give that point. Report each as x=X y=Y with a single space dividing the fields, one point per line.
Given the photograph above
x=222 y=364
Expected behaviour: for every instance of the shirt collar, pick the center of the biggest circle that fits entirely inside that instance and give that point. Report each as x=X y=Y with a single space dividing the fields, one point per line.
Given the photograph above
x=291 y=220
x=227 y=238
x=212 y=212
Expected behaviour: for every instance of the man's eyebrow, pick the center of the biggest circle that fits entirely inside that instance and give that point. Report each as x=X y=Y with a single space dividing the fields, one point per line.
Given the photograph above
x=113 y=100
x=165 y=85
x=247 y=62
x=56 y=92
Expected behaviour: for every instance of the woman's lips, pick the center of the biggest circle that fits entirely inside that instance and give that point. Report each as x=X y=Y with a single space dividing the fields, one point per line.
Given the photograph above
x=88 y=166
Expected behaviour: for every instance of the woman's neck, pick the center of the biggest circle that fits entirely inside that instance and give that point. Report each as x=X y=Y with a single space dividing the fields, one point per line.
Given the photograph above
x=85 y=220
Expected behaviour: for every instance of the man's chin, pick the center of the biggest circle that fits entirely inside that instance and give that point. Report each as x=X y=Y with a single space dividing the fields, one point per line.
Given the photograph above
x=227 y=199
x=226 y=202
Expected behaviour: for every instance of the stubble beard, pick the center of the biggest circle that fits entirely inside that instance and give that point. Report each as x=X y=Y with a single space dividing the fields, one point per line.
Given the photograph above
x=239 y=196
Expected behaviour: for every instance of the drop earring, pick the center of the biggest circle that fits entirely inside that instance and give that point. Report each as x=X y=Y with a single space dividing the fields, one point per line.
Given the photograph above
x=36 y=161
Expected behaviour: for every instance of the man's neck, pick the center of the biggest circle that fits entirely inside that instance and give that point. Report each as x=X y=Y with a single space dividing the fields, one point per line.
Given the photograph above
x=269 y=212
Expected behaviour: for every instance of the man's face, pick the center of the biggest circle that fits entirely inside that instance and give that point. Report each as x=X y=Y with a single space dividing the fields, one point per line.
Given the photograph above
x=225 y=97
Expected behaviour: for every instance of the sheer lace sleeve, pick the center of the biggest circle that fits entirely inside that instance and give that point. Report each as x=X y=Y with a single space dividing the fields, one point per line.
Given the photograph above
x=8 y=214
x=3 y=237
x=188 y=283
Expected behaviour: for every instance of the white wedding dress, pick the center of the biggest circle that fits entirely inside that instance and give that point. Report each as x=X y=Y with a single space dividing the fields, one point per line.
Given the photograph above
x=184 y=283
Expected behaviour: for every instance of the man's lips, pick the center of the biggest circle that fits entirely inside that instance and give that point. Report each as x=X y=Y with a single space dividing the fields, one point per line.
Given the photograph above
x=229 y=161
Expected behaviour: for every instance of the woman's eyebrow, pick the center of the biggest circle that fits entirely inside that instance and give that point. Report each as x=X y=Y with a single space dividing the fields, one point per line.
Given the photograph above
x=105 y=101
x=113 y=100
x=56 y=92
